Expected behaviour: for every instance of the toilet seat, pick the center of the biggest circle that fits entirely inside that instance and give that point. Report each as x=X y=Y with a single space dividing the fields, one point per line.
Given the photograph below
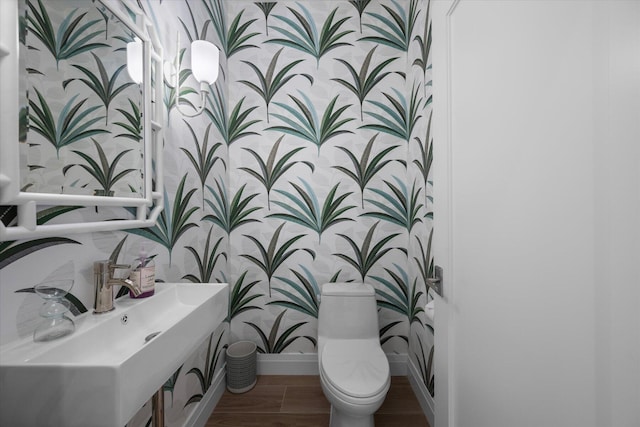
x=358 y=369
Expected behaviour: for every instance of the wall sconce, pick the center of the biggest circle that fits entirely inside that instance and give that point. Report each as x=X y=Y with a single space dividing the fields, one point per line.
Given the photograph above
x=134 y=60
x=205 y=62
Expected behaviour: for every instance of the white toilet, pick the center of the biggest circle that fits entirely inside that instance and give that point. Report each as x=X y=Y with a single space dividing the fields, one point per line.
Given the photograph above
x=354 y=371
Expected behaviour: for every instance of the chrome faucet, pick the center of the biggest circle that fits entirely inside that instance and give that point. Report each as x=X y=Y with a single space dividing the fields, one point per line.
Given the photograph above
x=104 y=282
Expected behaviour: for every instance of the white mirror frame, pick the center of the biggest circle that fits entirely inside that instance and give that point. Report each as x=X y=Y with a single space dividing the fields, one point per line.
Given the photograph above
x=149 y=207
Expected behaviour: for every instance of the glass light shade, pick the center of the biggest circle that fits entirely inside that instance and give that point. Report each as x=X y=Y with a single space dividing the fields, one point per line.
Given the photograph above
x=205 y=58
x=134 y=60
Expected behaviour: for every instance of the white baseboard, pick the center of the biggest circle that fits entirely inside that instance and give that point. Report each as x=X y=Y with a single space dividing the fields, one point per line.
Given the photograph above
x=420 y=390
x=288 y=364
x=307 y=364
x=201 y=414
x=398 y=364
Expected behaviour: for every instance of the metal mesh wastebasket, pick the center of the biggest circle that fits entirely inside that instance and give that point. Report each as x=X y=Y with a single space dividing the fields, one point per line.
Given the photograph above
x=241 y=366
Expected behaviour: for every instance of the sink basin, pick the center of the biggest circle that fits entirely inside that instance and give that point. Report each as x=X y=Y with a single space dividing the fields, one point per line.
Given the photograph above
x=102 y=374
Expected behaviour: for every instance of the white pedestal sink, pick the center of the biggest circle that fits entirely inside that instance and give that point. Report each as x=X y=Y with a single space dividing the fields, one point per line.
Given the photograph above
x=102 y=374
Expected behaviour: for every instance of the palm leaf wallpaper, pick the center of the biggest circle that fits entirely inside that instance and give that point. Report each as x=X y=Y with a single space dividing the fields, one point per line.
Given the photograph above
x=82 y=49
x=310 y=164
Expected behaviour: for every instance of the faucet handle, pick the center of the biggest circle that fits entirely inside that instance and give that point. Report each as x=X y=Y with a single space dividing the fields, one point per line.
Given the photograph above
x=113 y=267
x=106 y=264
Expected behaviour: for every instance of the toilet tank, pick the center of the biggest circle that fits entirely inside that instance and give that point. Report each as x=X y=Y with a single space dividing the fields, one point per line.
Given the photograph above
x=348 y=310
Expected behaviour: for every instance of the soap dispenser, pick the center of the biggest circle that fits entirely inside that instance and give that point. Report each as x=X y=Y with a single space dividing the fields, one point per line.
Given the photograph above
x=143 y=275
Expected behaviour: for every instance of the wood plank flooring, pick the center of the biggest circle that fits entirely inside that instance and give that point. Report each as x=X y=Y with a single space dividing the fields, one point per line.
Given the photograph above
x=297 y=401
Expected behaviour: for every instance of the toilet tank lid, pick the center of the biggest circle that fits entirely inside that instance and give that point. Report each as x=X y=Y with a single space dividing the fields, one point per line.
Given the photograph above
x=348 y=289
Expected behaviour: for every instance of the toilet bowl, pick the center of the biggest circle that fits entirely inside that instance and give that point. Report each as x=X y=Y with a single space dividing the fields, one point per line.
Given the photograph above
x=354 y=371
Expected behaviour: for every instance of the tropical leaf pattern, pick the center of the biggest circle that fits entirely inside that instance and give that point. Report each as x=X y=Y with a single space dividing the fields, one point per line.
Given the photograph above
x=272 y=170
x=239 y=299
x=424 y=161
x=397 y=295
x=397 y=205
x=205 y=376
x=174 y=221
x=74 y=35
x=424 y=41
x=306 y=124
x=266 y=7
x=75 y=83
x=275 y=343
x=72 y=125
x=304 y=208
x=133 y=125
x=364 y=81
x=103 y=85
x=364 y=169
x=272 y=256
x=270 y=83
x=395 y=27
x=425 y=365
x=11 y=250
x=194 y=33
x=207 y=262
x=303 y=35
x=366 y=256
x=295 y=175
x=104 y=172
x=230 y=214
x=398 y=117
x=361 y=6
x=232 y=125
x=204 y=158
x=233 y=37
x=304 y=295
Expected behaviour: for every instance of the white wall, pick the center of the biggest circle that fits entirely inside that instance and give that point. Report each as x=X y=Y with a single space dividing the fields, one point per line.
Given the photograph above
x=617 y=186
x=544 y=115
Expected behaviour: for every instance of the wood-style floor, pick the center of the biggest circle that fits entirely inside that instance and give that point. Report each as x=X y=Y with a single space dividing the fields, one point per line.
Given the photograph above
x=293 y=400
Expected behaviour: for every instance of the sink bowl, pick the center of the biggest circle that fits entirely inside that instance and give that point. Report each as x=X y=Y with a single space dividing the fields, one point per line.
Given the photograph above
x=102 y=374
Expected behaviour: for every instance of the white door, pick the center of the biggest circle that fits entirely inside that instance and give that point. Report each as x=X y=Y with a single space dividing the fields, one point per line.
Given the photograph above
x=537 y=141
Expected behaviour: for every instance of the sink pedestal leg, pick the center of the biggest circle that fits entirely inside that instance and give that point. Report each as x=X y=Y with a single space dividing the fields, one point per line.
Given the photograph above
x=157 y=409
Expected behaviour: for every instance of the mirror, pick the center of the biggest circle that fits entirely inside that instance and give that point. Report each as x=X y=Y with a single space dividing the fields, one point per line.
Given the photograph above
x=77 y=130
x=80 y=111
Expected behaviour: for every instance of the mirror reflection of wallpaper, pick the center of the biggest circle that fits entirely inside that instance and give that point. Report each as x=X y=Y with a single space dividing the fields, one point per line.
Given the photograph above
x=80 y=110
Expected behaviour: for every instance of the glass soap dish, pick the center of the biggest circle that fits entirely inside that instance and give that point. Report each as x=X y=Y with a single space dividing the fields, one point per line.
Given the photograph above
x=55 y=323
